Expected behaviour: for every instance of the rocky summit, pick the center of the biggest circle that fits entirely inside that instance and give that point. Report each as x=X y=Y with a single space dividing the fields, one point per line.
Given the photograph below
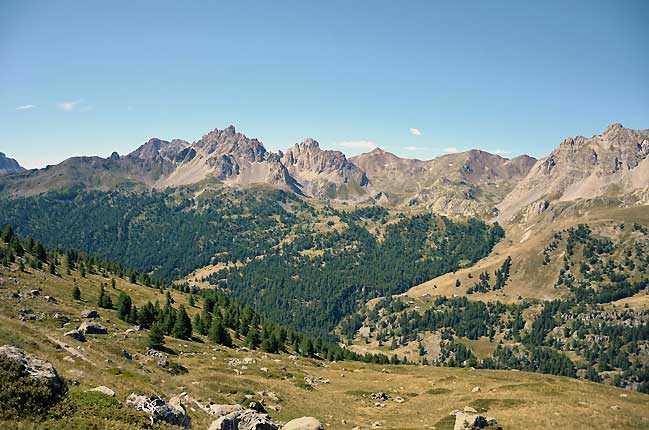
x=9 y=165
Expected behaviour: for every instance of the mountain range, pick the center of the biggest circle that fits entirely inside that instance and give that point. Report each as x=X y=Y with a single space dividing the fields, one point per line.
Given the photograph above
x=613 y=165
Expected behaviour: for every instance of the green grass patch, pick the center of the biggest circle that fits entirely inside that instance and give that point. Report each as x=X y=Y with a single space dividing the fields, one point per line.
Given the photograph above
x=483 y=405
x=435 y=391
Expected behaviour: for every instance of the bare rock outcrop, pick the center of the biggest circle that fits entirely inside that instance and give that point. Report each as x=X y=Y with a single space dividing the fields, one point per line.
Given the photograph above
x=245 y=419
x=469 y=419
x=158 y=409
x=612 y=164
x=34 y=366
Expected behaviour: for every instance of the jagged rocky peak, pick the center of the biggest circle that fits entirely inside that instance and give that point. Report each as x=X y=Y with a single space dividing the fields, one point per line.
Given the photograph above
x=613 y=163
x=157 y=148
x=616 y=149
x=228 y=141
x=307 y=157
x=9 y=165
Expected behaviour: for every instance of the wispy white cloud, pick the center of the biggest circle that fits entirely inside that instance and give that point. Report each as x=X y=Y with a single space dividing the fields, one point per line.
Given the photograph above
x=414 y=148
x=25 y=107
x=502 y=152
x=71 y=105
x=451 y=150
x=415 y=132
x=363 y=144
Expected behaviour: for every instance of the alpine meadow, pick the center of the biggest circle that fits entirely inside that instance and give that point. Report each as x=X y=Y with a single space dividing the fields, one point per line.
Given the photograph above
x=465 y=246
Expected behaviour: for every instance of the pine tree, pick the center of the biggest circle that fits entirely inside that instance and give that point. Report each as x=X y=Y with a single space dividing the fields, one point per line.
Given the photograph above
x=112 y=283
x=252 y=338
x=170 y=300
x=147 y=315
x=7 y=234
x=197 y=323
x=76 y=293
x=219 y=334
x=21 y=266
x=133 y=316
x=124 y=304
x=306 y=347
x=104 y=299
x=40 y=252
x=190 y=301
x=156 y=337
x=182 y=328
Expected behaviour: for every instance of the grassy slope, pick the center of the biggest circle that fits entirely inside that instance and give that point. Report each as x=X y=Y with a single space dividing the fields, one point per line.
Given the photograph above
x=525 y=243
x=516 y=399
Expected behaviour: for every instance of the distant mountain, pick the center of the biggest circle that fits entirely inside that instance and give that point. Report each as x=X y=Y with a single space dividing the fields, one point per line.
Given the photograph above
x=9 y=165
x=467 y=183
x=324 y=174
x=223 y=156
x=614 y=164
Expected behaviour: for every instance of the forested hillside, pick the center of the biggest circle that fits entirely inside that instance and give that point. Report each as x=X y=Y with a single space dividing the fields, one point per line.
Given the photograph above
x=303 y=266
x=342 y=269
x=596 y=328
x=166 y=233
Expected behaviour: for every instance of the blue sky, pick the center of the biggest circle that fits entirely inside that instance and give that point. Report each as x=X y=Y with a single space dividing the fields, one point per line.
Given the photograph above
x=84 y=78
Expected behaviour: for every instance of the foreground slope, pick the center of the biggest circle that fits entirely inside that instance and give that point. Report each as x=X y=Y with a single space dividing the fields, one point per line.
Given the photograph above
x=515 y=399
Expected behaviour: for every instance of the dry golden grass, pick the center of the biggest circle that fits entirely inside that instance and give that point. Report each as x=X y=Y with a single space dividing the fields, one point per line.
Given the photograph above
x=525 y=243
x=515 y=399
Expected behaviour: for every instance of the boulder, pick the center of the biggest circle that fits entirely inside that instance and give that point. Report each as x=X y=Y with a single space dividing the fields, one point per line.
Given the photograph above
x=315 y=380
x=381 y=396
x=222 y=410
x=469 y=419
x=90 y=313
x=158 y=409
x=162 y=358
x=475 y=390
x=104 y=390
x=304 y=423
x=246 y=419
x=34 y=366
x=91 y=327
x=76 y=335
x=257 y=407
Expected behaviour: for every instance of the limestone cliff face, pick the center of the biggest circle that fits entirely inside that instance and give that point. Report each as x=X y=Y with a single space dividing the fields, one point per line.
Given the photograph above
x=613 y=164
